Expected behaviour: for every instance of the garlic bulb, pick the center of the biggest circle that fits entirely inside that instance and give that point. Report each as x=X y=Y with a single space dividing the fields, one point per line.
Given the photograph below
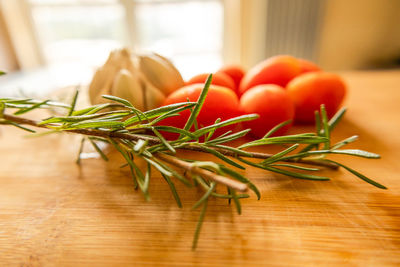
x=144 y=80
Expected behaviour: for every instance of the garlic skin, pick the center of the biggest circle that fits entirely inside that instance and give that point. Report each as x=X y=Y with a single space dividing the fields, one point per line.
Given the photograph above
x=101 y=83
x=161 y=73
x=153 y=97
x=128 y=86
x=144 y=80
x=104 y=77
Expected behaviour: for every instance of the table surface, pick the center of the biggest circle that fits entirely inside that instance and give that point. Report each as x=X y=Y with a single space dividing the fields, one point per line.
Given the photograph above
x=53 y=212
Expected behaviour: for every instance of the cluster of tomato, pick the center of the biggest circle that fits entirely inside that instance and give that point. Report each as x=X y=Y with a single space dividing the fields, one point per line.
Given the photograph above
x=280 y=88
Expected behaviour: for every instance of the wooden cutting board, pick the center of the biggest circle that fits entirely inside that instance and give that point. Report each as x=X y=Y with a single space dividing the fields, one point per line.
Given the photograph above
x=53 y=212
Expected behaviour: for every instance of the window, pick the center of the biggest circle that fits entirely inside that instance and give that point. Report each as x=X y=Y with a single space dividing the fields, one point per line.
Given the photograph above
x=77 y=31
x=190 y=32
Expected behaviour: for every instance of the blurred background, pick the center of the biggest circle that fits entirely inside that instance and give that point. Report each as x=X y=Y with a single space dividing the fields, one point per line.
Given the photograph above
x=47 y=44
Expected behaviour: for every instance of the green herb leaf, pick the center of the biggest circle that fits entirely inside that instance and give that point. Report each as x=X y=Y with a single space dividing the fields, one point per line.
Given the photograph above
x=317 y=123
x=173 y=190
x=161 y=168
x=279 y=155
x=78 y=160
x=2 y=108
x=231 y=121
x=238 y=152
x=294 y=167
x=297 y=175
x=175 y=130
x=359 y=175
x=199 y=105
x=163 y=141
x=73 y=103
x=154 y=113
x=276 y=128
x=18 y=126
x=288 y=139
x=227 y=138
x=96 y=124
x=204 y=198
x=98 y=149
x=221 y=156
x=241 y=178
x=210 y=134
x=198 y=226
x=235 y=200
x=336 y=118
x=118 y=100
x=286 y=172
x=35 y=106
x=344 y=142
x=325 y=126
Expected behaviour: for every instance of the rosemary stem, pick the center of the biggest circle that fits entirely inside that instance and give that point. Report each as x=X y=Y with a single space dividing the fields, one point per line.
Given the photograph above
x=202 y=172
x=150 y=140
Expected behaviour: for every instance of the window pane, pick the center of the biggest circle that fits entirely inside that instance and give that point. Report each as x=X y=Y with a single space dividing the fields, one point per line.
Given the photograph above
x=79 y=33
x=188 y=32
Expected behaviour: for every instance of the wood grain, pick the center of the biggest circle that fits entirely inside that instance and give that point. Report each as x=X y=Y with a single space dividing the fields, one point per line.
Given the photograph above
x=55 y=213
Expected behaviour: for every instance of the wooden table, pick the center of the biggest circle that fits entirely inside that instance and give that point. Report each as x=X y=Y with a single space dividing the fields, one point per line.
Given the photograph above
x=53 y=212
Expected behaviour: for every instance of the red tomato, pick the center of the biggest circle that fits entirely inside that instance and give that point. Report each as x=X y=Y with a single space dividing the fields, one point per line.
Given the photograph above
x=218 y=78
x=236 y=72
x=220 y=102
x=277 y=70
x=308 y=91
x=272 y=103
x=307 y=66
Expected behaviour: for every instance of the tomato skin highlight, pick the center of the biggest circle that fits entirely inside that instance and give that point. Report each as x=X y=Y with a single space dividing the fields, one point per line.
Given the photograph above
x=307 y=66
x=219 y=78
x=220 y=102
x=277 y=70
x=236 y=72
x=308 y=91
x=272 y=103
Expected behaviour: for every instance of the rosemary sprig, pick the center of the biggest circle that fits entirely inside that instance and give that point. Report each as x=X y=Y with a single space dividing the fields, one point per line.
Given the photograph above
x=127 y=129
